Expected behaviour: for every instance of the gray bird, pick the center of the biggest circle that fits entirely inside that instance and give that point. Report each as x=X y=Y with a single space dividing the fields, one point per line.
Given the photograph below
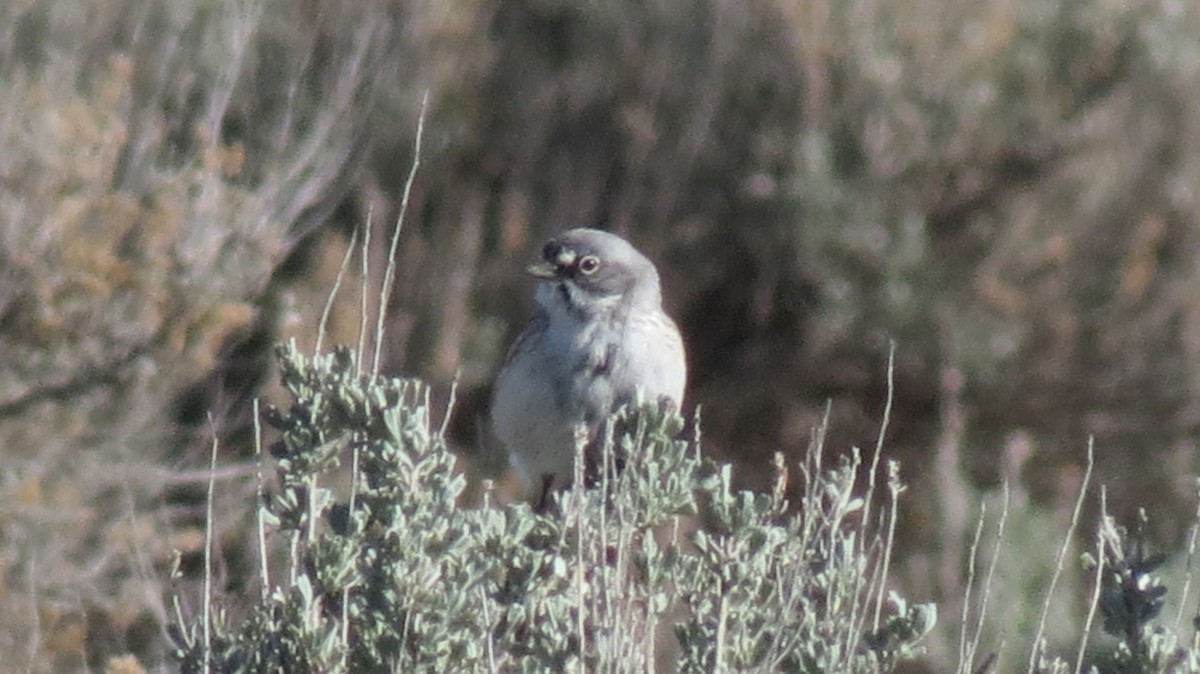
x=599 y=336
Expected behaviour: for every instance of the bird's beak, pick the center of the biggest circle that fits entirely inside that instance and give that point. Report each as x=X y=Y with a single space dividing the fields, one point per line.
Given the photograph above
x=543 y=269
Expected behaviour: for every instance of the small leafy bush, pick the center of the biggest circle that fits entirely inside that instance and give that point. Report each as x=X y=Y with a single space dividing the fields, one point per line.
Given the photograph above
x=1131 y=600
x=664 y=566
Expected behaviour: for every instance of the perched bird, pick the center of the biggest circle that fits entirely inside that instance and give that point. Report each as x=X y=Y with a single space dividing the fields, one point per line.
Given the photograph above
x=598 y=337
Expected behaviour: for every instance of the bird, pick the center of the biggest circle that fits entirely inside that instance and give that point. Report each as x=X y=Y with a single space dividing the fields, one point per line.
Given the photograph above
x=598 y=340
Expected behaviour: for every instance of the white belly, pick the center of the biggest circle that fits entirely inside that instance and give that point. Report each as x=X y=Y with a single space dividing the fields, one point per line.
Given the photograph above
x=565 y=380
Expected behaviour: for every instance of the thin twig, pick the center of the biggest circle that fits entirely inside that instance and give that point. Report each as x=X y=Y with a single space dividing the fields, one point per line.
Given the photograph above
x=855 y=621
x=208 y=548
x=883 y=426
x=337 y=284
x=970 y=585
x=895 y=489
x=1099 y=582
x=390 y=275
x=1062 y=555
x=264 y=571
x=991 y=574
x=450 y=404
x=363 y=309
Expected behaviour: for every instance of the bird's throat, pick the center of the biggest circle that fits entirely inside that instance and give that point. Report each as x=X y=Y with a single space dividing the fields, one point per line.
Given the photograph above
x=567 y=299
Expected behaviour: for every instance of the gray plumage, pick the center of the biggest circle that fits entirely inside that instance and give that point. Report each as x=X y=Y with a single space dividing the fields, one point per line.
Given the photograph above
x=599 y=336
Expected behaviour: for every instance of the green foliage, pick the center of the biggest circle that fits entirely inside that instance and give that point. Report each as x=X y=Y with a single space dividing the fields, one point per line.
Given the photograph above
x=1132 y=596
x=664 y=565
x=1129 y=601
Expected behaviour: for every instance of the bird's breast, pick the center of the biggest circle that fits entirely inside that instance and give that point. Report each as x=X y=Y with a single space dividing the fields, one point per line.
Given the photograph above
x=610 y=361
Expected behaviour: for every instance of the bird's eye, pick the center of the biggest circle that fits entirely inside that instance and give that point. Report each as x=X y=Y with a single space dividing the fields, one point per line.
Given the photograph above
x=589 y=264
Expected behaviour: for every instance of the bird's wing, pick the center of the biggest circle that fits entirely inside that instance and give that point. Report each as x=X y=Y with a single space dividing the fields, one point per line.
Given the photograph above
x=536 y=325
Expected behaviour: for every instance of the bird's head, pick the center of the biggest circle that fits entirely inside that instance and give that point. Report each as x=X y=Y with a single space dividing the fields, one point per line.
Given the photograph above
x=591 y=270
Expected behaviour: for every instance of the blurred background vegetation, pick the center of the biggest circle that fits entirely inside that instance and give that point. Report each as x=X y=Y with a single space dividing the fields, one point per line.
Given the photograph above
x=1006 y=191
